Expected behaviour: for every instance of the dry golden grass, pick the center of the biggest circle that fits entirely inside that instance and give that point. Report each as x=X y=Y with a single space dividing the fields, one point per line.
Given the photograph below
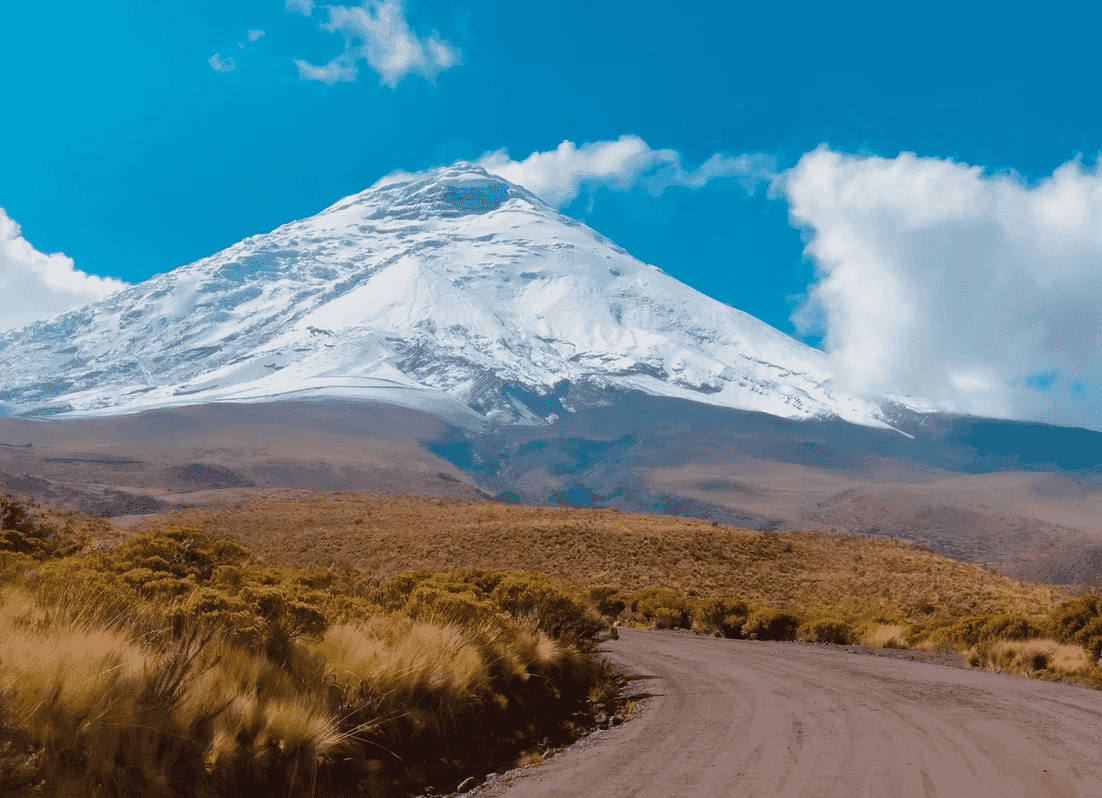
x=882 y=633
x=1024 y=657
x=92 y=705
x=384 y=535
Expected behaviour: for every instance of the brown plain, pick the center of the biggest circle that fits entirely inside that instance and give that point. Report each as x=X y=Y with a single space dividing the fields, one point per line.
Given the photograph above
x=384 y=535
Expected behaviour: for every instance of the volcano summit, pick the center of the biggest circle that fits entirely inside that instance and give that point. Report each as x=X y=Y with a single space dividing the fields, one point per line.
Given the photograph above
x=452 y=291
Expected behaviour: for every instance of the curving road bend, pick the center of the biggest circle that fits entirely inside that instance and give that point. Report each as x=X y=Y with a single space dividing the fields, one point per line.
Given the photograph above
x=741 y=718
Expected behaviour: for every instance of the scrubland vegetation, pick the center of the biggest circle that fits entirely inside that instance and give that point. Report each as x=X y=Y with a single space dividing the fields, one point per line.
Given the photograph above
x=814 y=571
x=174 y=664
x=179 y=662
x=1063 y=644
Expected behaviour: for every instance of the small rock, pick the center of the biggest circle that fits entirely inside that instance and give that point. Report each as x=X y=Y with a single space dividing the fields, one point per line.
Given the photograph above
x=616 y=720
x=467 y=784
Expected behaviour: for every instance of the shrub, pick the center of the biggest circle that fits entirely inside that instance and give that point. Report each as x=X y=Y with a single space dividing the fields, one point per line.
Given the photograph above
x=667 y=618
x=1011 y=627
x=648 y=600
x=284 y=620
x=770 y=624
x=548 y=608
x=971 y=630
x=827 y=630
x=23 y=533
x=608 y=601
x=724 y=615
x=1021 y=657
x=429 y=602
x=194 y=671
x=1070 y=617
x=946 y=635
x=239 y=619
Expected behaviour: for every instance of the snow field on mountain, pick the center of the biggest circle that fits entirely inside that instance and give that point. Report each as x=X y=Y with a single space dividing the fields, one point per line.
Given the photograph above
x=443 y=289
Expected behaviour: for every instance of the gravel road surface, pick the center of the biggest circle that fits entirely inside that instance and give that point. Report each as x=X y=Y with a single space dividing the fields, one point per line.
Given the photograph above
x=744 y=718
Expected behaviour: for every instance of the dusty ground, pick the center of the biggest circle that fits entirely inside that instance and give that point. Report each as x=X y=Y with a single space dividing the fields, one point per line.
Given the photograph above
x=732 y=717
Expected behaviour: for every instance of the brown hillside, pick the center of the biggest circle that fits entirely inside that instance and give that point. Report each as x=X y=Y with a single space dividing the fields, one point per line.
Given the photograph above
x=385 y=535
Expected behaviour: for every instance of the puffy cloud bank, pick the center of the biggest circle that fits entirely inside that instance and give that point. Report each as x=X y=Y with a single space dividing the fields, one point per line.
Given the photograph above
x=559 y=175
x=979 y=293
x=378 y=33
x=36 y=286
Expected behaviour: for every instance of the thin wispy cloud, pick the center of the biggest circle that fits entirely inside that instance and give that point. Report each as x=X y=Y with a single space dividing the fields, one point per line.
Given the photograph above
x=379 y=34
x=559 y=175
x=220 y=64
x=981 y=293
x=37 y=285
x=299 y=6
x=255 y=34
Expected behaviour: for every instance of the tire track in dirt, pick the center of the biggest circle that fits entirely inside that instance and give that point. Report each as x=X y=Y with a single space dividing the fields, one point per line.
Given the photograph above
x=732 y=717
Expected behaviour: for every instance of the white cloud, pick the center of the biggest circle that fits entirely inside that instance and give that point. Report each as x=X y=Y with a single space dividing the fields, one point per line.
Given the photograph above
x=300 y=6
x=559 y=175
x=942 y=282
x=255 y=34
x=37 y=286
x=219 y=64
x=378 y=32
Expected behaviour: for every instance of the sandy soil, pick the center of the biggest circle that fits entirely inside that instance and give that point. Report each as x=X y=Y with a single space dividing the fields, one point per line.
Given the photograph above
x=730 y=717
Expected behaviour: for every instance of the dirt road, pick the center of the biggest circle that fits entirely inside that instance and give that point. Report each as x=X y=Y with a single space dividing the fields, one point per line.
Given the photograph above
x=742 y=718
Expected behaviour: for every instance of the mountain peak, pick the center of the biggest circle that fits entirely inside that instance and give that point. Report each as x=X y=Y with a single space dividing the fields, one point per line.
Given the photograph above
x=459 y=189
x=452 y=290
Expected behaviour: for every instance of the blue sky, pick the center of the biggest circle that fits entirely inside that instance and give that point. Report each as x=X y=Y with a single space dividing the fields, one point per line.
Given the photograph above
x=141 y=136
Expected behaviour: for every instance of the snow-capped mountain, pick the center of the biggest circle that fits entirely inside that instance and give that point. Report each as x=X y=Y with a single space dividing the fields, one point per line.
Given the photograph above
x=452 y=291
